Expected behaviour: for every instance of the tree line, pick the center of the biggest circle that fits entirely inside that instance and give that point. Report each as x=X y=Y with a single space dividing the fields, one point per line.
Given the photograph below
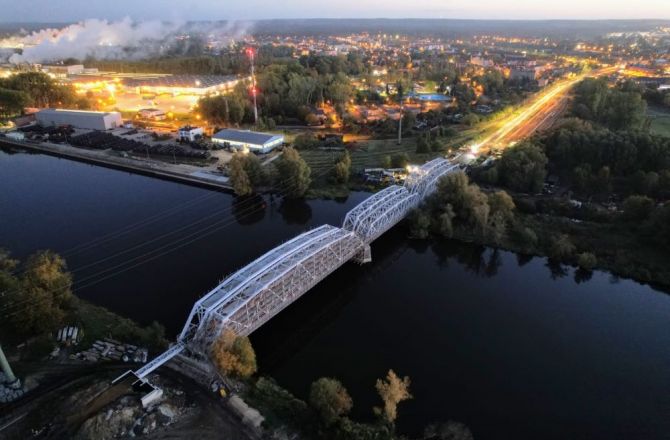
x=36 y=89
x=290 y=174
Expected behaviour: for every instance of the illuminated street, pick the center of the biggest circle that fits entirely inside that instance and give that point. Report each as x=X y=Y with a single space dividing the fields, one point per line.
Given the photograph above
x=540 y=113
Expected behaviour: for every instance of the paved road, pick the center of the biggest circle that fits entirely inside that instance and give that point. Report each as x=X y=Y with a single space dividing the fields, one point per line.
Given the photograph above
x=540 y=113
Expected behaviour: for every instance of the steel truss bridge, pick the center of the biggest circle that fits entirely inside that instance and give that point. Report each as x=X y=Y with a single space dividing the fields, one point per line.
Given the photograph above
x=254 y=294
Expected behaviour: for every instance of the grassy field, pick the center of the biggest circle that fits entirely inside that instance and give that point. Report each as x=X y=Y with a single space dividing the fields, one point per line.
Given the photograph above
x=660 y=121
x=371 y=153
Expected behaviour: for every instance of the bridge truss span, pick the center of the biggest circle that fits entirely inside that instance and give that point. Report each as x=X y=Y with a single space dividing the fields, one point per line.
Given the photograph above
x=235 y=282
x=287 y=273
x=379 y=213
x=250 y=297
x=423 y=180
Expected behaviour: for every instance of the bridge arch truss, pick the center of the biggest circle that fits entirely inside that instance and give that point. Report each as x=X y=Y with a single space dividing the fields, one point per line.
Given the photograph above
x=254 y=294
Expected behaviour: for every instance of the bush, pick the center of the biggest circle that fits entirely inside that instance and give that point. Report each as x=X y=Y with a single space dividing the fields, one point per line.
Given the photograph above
x=275 y=402
x=343 y=168
x=330 y=399
x=233 y=355
x=400 y=160
x=562 y=248
x=637 y=208
x=587 y=261
x=306 y=141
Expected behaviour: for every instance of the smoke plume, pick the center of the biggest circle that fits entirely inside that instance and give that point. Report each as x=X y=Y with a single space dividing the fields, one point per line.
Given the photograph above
x=124 y=39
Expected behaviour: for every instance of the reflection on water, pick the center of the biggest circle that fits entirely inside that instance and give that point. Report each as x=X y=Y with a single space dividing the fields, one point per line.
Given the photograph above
x=249 y=210
x=295 y=211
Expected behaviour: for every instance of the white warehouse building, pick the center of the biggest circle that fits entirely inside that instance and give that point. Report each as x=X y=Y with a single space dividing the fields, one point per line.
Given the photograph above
x=248 y=140
x=79 y=118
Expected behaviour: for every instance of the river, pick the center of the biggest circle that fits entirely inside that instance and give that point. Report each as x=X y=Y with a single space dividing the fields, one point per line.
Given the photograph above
x=509 y=345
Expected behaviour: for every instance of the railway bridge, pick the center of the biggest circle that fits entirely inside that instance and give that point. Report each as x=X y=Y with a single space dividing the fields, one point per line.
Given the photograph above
x=250 y=297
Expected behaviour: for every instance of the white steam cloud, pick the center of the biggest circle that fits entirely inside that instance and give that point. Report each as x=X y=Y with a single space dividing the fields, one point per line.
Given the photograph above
x=115 y=39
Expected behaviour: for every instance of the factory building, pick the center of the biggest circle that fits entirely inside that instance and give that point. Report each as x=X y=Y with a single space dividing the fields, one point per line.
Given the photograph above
x=248 y=140
x=63 y=71
x=79 y=118
x=200 y=85
x=152 y=113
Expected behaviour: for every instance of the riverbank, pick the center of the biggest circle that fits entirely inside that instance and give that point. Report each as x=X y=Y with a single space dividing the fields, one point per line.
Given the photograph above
x=181 y=173
x=583 y=237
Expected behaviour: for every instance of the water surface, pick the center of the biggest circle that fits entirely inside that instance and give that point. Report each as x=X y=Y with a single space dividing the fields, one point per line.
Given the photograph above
x=510 y=346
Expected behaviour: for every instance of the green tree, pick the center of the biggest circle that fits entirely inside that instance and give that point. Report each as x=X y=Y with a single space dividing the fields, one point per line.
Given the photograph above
x=562 y=248
x=12 y=102
x=637 y=208
x=471 y=119
x=343 y=168
x=525 y=237
x=238 y=175
x=41 y=90
x=293 y=174
x=422 y=146
x=420 y=225
x=587 y=261
x=44 y=284
x=399 y=160
x=501 y=213
x=659 y=226
x=330 y=399
x=305 y=141
x=447 y=431
x=392 y=391
x=435 y=145
x=523 y=167
x=254 y=169
x=234 y=355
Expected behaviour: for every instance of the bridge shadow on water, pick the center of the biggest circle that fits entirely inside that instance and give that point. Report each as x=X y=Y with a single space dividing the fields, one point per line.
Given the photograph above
x=293 y=328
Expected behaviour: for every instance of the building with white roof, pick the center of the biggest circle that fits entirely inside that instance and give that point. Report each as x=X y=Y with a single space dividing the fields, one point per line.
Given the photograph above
x=248 y=140
x=79 y=118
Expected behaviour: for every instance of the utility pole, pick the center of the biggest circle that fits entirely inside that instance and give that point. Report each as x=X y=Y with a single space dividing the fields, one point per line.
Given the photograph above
x=251 y=53
x=4 y=364
x=400 y=99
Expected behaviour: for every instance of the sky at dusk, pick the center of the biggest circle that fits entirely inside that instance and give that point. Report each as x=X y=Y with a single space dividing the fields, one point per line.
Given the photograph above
x=177 y=10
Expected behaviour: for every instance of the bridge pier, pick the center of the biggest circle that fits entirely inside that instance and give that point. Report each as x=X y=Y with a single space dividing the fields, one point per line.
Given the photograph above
x=364 y=256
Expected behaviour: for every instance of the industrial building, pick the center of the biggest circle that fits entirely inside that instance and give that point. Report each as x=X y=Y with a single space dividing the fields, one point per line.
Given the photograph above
x=79 y=118
x=152 y=113
x=248 y=140
x=200 y=85
x=190 y=133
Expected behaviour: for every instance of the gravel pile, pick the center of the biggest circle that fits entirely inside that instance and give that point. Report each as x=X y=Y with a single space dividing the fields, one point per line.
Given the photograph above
x=109 y=349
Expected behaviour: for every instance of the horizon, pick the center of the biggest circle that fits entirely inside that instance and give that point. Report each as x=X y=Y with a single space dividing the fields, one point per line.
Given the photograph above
x=47 y=11
x=532 y=20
